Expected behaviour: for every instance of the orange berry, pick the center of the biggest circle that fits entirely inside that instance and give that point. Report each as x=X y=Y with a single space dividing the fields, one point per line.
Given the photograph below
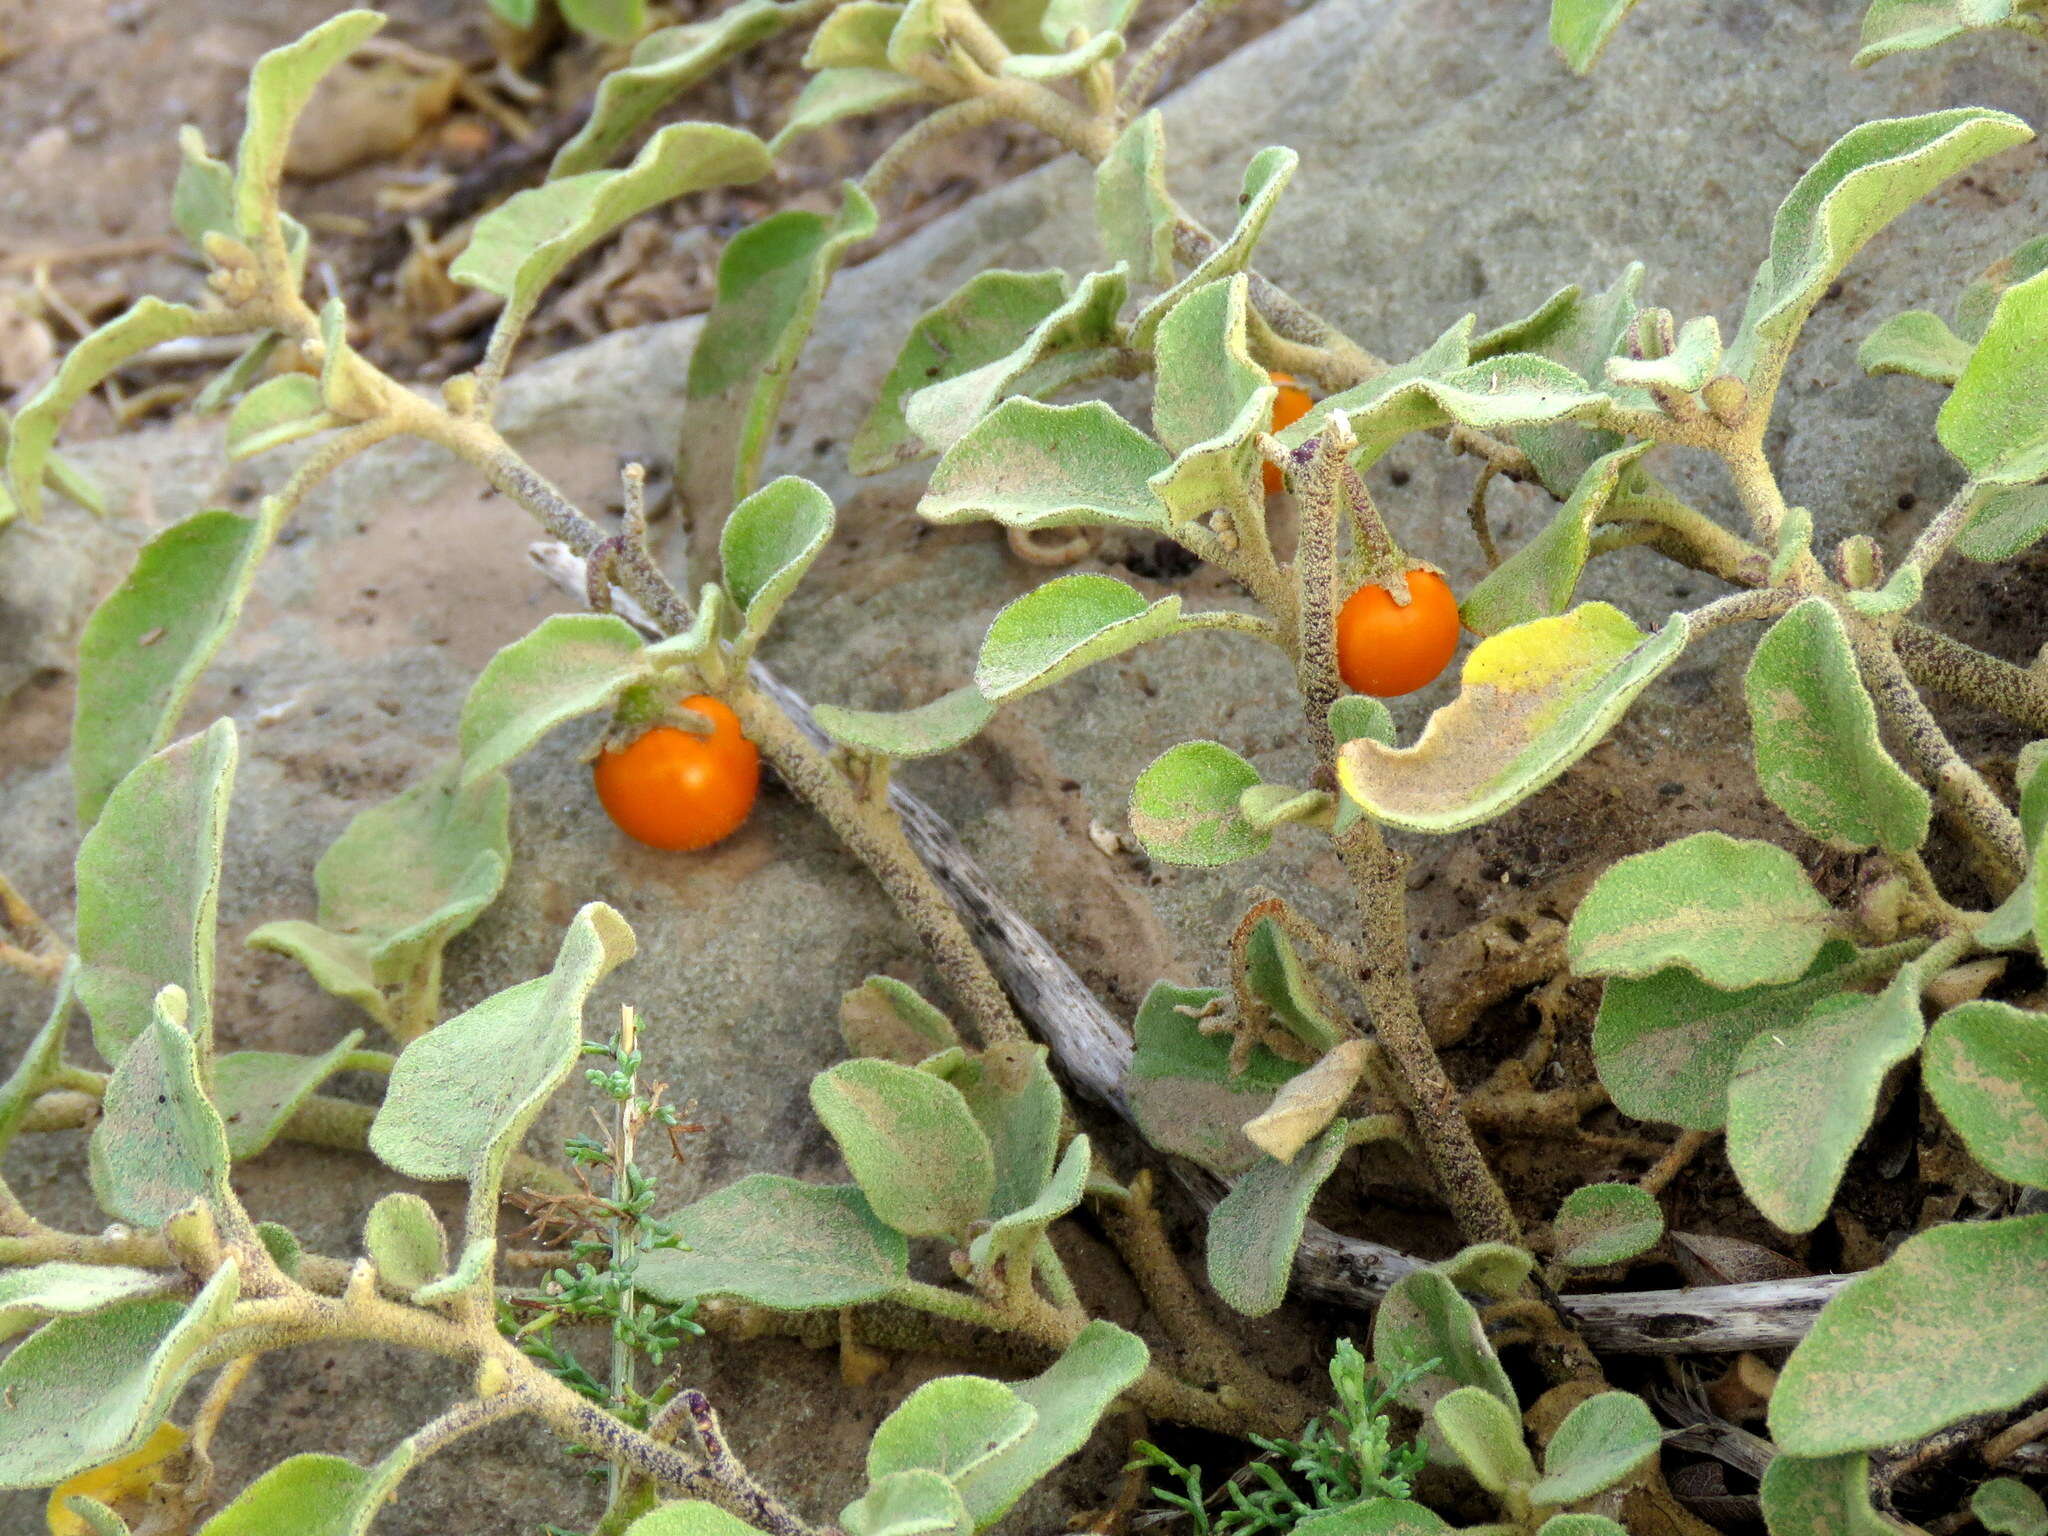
x=1386 y=650
x=1289 y=406
x=671 y=789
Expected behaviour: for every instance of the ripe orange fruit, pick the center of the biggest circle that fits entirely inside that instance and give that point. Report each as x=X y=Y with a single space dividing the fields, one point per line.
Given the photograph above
x=1289 y=406
x=1386 y=650
x=671 y=789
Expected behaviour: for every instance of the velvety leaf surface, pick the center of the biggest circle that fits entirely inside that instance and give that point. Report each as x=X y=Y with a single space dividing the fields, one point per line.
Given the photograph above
x=911 y=1143
x=83 y=1390
x=1667 y=1045
x=1534 y=700
x=570 y=664
x=777 y=1242
x=1579 y=29
x=1538 y=579
x=1486 y=1436
x=769 y=542
x=1735 y=912
x=1986 y=1063
x=1071 y=622
x=149 y=883
x=1818 y=753
x=145 y=646
x=1255 y=1230
x=1996 y=418
x=1910 y=1346
x=1133 y=210
x=987 y=318
x=1600 y=1442
x=159 y=1144
x=951 y=720
x=1184 y=806
x=403 y=1237
x=1182 y=1092
x=257 y=1092
x=38 y=1292
x=1606 y=1224
x=1916 y=343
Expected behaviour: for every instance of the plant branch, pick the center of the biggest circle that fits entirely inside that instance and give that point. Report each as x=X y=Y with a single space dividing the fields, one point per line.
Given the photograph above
x=1935 y=660
x=1163 y=52
x=1982 y=813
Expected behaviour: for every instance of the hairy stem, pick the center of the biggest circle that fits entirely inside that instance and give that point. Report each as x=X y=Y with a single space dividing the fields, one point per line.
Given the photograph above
x=1934 y=660
x=1164 y=52
x=1378 y=881
x=1984 y=816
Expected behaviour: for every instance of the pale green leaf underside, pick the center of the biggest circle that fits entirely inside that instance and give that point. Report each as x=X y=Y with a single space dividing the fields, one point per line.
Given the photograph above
x=779 y=1243
x=1255 y=1230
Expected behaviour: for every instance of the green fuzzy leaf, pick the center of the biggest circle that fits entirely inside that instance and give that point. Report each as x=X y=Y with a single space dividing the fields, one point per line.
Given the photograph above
x=1818 y=753
x=1580 y=1524
x=36 y=1067
x=42 y=1291
x=1986 y=1064
x=1078 y=339
x=1423 y=1318
x=1900 y=593
x=280 y=85
x=1534 y=700
x=1979 y=301
x=1071 y=622
x=951 y=720
x=887 y=1019
x=911 y=1143
x=404 y=879
x=854 y=36
x=1375 y=1517
x=771 y=278
x=949 y=1426
x=1354 y=716
x=1584 y=334
x=1684 y=370
x=1871 y=175
x=1133 y=210
x=1996 y=419
x=84 y=1390
x=1831 y=1494
x=908 y=1503
x=148 y=887
x=1735 y=912
x=1027 y=465
x=1265 y=177
x=144 y=648
x=690 y=1517
x=203 y=203
x=1602 y=1441
x=308 y=1495
x=1606 y=1224
x=611 y=21
x=1800 y=1099
x=1011 y=1093
x=663 y=65
x=1206 y=376
x=834 y=94
x=779 y=1243
x=1269 y=971
x=1069 y=1400
x=570 y=664
x=1486 y=1436
x=404 y=1239
x=1579 y=29
x=1184 y=1096
x=462 y=1095
x=283 y=1246
x=2008 y=1507
x=1916 y=343
x=2005 y=522
x=1185 y=806
x=1666 y=1045
x=1448 y=354
x=472 y=1268
x=276 y=412
x=986 y=319
x=1538 y=579
x=1256 y=1228
x=1010 y=1240
x=159 y=1144
x=522 y=245
x=87 y=365
x=258 y=1092
x=1903 y=26
x=1497 y=1271
x=769 y=542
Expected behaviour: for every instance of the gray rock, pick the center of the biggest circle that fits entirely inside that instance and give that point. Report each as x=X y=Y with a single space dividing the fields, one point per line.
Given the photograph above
x=1449 y=164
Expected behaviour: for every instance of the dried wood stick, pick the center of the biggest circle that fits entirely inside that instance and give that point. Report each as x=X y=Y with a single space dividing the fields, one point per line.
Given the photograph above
x=1094 y=1049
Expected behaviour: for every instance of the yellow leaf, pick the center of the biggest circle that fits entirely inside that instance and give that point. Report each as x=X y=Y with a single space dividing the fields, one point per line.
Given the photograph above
x=124 y=1480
